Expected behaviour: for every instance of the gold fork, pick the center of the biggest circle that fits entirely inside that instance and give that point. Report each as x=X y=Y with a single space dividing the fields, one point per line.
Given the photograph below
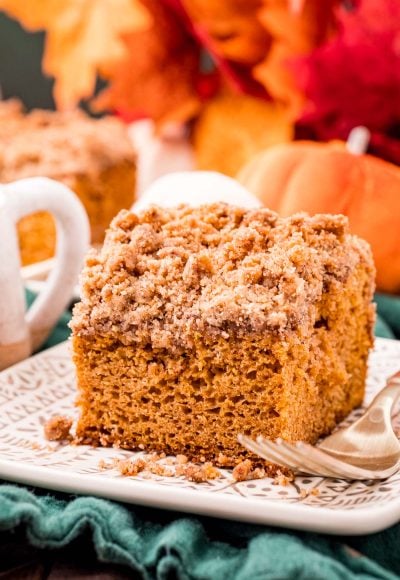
x=367 y=449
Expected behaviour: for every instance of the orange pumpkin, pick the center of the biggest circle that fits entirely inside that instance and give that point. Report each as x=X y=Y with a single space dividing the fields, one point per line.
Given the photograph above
x=326 y=178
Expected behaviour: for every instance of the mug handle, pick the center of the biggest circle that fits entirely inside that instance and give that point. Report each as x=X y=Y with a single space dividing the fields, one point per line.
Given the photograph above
x=35 y=194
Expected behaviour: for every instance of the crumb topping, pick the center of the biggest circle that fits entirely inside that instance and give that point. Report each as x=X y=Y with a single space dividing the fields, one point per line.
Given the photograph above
x=58 y=144
x=166 y=275
x=304 y=493
x=283 y=479
x=178 y=466
x=246 y=471
x=199 y=473
x=58 y=428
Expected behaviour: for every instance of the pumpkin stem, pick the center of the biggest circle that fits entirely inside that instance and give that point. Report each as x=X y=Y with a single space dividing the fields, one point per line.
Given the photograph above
x=358 y=140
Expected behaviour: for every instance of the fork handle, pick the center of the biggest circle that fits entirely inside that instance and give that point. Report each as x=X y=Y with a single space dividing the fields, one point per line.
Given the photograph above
x=385 y=399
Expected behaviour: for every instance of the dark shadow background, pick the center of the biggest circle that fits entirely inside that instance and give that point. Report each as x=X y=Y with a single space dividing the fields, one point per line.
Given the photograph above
x=20 y=65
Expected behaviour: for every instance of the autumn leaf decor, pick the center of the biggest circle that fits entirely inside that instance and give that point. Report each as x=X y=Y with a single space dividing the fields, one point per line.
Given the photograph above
x=246 y=75
x=354 y=78
x=184 y=60
x=167 y=58
x=223 y=145
x=251 y=42
x=160 y=75
x=330 y=64
x=296 y=29
x=196 y=51
x=84 y=38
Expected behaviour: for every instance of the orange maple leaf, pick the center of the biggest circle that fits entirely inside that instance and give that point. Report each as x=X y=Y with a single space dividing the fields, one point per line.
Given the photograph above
x=158 y=78
x=296 y=27
x=83 y=39
x=231 y=27
x=262 y=35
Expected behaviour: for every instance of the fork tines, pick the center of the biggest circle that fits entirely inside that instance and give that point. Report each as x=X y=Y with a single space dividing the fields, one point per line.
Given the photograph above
x=304 y=458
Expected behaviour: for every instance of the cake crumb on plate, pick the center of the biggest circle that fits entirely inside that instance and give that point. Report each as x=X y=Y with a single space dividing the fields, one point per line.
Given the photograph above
x=58 y=428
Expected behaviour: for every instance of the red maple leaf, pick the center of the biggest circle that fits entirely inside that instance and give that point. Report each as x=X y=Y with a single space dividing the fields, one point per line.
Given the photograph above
x=355 y=78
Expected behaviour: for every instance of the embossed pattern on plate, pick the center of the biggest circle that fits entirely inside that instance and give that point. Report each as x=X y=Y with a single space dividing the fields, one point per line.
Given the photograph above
x=44 y=385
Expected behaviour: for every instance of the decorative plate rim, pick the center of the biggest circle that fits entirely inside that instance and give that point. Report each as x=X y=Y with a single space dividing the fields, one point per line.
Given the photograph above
x=319 y=518
x=301 y=517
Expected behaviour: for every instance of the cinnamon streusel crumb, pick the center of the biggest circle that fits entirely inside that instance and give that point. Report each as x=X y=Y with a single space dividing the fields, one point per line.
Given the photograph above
x=172 y=467
x=201 y=473
x=242 y=470
x=36 y=142
x=307 y=492
x=132 y=468
x=283 y=478
x=245 y=471
x=168 y=274
x=58 y=428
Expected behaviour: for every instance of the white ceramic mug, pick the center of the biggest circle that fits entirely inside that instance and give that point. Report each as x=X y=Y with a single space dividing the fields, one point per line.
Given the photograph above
x=23 y=332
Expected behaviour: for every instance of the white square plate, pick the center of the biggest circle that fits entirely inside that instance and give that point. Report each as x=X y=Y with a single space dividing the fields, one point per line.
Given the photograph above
x=44 y=385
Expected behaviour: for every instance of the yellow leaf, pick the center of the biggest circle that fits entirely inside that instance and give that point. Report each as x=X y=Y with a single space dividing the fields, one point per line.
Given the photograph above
x=233 y=128
x=84 y=38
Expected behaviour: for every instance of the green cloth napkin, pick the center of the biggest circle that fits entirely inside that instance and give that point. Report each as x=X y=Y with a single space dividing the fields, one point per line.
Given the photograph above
x=60 y=331
x=389 y=316
x=166 y=545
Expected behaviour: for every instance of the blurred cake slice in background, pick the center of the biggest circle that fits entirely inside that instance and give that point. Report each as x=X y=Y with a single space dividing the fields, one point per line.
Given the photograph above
x=94 y=157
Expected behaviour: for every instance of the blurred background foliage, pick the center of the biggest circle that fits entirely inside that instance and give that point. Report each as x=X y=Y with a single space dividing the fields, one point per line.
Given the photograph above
x=20 y=65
